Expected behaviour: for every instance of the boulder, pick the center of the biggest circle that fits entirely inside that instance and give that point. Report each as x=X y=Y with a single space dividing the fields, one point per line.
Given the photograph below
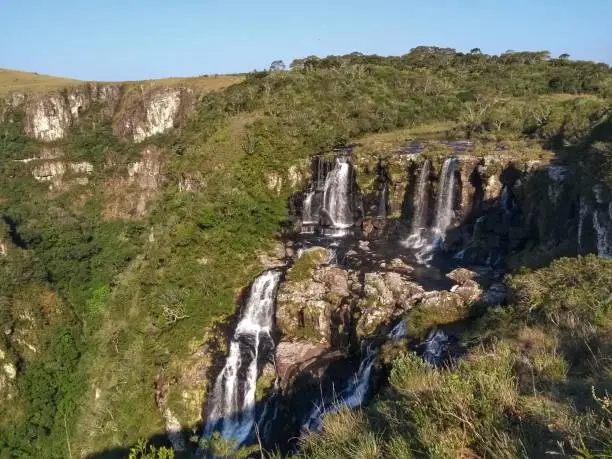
x=469 y=291
x=398 y=265
x=291 y=357
x=386 y=295
x=462 y=275
x=310 y=296
x=494 y=295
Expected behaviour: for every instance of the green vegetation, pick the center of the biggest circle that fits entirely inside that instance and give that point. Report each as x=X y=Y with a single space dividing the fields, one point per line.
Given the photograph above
x=109 y=302
x=303 y=267
x=536 y=381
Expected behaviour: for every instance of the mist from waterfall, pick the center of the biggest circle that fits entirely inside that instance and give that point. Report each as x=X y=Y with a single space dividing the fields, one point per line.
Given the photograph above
x=232 y=405
x=337 y=194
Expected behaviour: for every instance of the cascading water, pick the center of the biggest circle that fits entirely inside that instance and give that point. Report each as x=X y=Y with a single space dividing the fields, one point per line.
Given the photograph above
x=417 y=240
x=603 y=229
x=421 y=202
x=434 y=346
x=337 y=196
x=382 y=202
x=443 y=212
x=446 y=198
x=232 y=411
x=399 y=331
x=352 y=396
x=583 y=213
x=308 y=216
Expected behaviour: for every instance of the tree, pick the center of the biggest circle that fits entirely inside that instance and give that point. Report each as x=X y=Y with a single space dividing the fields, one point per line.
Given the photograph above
x=277 y=66
x=564 y=56
x=475 y=51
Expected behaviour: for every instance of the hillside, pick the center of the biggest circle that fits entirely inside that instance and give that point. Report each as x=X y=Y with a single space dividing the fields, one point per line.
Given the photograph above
x=15 y=80
x=136 y=216
x=27 y=82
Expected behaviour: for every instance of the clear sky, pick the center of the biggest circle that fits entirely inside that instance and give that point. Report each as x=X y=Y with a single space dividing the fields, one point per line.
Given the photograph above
x=138 y=39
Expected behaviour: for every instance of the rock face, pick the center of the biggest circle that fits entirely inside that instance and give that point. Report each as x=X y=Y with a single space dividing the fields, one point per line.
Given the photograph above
x=136 y=113
x=307 y=306
x=292 y=357
x=154 y=112
x=129 y=192
x=48 y=118
x=386 y=295
x=333 y=305
x=56 y=172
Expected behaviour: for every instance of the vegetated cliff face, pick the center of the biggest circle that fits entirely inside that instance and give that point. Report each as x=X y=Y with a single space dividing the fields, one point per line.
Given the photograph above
x=99 y=153
x=136 y=112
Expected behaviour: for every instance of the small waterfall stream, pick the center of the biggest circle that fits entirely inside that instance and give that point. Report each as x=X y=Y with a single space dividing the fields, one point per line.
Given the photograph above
x=337 y=195
x=421 y=202
x=310 y=216
x=352 y=396
x=602 y=223
x=232 y=405
x=446 y=198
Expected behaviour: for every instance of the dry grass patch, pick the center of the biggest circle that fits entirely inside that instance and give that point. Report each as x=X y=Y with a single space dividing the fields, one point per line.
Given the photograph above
x=15 y=80
x=200 y=84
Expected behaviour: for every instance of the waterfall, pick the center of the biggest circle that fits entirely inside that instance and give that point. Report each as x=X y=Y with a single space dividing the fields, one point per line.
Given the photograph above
x=434 y=346
x=446 y=198
x=603 y=231
x=310 y=212
x=416 y=239
x=352 y=396
x=337 y=194
x=399 y=331
x=421 y=201
x=443 y=216
x=583 y=213
x=232 y=411
x=307 y=215
x=382 y=202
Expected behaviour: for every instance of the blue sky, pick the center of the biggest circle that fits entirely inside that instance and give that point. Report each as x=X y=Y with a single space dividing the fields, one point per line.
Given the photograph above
x=138 y=39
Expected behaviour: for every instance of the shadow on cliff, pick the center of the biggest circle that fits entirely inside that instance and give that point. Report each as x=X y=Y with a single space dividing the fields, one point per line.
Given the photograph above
x=533 y=221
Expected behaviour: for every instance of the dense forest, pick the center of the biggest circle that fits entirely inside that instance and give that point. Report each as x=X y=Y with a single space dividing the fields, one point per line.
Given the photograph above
x=94 y=306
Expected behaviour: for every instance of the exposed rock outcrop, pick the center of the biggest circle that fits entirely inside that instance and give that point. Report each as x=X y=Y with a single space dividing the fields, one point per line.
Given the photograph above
x=56 y=171
x=49 y=117
x=128 y=195
x=136 y=113
x=292 y=357
x=153 y=112
x=385 y=295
